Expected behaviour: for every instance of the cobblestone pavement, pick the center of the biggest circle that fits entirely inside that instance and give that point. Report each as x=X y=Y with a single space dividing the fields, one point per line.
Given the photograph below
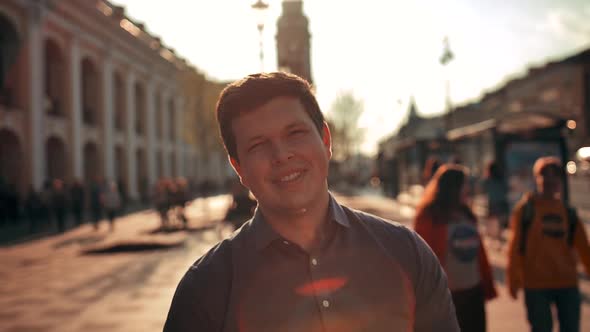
x=51 y=285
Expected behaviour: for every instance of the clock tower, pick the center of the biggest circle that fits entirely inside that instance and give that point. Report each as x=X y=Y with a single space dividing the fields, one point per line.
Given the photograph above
x=293 y=46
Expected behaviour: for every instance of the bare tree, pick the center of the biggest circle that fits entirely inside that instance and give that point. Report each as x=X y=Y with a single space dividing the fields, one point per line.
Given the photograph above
x=343 y=120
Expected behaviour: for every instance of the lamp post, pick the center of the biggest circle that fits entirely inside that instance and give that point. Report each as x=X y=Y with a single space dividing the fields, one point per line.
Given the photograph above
x=260 y=9
x=446 y=57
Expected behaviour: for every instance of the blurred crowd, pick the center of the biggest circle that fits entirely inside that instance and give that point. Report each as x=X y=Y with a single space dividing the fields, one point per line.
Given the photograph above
x=60 y=205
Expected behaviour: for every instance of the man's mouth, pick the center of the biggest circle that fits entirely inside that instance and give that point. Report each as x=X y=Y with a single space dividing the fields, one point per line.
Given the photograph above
x=290 y=177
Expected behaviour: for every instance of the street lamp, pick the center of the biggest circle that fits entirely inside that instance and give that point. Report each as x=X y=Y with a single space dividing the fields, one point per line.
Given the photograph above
x=260 y=9
x=446 y=57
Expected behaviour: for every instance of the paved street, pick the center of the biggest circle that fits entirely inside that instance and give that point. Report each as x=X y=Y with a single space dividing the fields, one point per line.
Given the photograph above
x=54 y=284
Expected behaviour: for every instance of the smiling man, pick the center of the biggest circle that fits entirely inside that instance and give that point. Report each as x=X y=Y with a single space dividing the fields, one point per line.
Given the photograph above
x=304 y=262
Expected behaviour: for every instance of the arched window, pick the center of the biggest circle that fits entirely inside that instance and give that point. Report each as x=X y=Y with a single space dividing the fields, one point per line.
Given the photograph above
x=56 y=158
x=90 y=93
x=171 y=119
x=54 y=79
x=11 y=157
x=120 y=102
x=9 y=46
x=139 y=109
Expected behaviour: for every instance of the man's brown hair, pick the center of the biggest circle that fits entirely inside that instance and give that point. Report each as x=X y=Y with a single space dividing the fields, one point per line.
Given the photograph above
x=255 y=90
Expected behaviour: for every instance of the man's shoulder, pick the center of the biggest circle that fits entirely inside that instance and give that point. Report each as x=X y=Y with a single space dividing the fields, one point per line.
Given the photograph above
x=213 y=265
x=379 y=223
x=391 y=234
x=209 y=277
x=219 y=259
x=401 y=243
x=202 y=294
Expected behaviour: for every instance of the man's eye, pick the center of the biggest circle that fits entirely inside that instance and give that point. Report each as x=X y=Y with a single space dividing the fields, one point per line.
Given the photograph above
x=297 y=132
x=255 y=146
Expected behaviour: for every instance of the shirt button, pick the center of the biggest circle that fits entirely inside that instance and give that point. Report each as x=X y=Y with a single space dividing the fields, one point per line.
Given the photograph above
x=326 y=303
x=314 y=262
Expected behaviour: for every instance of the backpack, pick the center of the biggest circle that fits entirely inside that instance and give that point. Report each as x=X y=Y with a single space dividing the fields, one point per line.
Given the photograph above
x=528 y=215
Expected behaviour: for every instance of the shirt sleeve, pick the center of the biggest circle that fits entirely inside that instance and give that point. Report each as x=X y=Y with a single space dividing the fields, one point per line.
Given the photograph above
x=434 y=305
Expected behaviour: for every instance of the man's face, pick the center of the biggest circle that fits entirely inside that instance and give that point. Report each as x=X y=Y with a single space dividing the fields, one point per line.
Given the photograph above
x=549 y=181
x=283 y=159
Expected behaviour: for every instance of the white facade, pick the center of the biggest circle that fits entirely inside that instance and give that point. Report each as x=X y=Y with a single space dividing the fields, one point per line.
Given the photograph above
x=88 y=94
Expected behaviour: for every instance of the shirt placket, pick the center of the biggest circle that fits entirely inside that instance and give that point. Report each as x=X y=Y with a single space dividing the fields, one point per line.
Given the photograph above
x=323 y=298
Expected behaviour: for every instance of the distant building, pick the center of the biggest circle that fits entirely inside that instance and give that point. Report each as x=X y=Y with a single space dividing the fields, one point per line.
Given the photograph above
x=293 y=40
x=86 y=92
x=557 y=92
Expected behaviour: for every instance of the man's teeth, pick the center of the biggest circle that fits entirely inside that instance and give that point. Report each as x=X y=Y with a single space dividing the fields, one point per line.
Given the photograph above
x=290 y=177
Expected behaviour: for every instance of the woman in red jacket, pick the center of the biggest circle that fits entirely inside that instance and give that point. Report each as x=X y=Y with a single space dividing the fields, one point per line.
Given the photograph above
x=448 y=225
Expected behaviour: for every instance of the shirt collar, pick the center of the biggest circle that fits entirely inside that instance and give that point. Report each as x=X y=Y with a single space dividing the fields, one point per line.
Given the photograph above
x=263 y=234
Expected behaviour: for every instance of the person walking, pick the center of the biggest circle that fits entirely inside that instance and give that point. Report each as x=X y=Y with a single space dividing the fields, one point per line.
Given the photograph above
x=34 y=210
x=95 y=202
x=546 y=236
x=77 y=201
x=111 y=202
x=59 y=204
x=430 y=167
x=46 y=204
x=447 y=224
x=495 y=190
x=161 y=201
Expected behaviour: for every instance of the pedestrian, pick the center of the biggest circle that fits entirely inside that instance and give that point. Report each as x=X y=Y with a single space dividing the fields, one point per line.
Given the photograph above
x=242 y=206
x=12 y=201
x=496 y=192
x=34 y=210
x=111 y=202
x=95 y=201
x=77 y=201
x=304 y=262
x=430 y=167
x=161 y=201
x=173 y=200
x=541 y=259
x=46 y=198
x=4 y=201
x=181 y=200
x=59 y=204
x=121 y=186
x=447 y=224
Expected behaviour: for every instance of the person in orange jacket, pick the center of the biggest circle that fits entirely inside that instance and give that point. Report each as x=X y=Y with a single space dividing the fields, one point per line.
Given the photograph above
x=447 y=224
x=541 y=257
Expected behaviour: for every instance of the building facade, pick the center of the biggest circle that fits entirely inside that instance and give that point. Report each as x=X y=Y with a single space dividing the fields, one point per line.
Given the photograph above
x=556 y=92
x=87 y=93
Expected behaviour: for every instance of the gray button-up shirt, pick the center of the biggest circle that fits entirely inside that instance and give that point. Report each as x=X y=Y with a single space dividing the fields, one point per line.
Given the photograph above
x=370 y=275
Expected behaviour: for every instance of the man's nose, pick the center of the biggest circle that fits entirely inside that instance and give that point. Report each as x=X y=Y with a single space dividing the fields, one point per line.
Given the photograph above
x=281 y=152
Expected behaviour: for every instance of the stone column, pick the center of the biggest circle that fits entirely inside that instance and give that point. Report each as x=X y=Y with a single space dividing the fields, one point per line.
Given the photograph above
x=130 y=148
x=76 y=95
x=109 y=149
x=165 y=142
x=178 y=148
x=36 y=52
x=151 y=132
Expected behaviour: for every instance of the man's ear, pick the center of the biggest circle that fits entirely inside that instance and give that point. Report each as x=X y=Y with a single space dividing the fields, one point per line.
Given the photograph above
x=236 y=166
x=327 y=139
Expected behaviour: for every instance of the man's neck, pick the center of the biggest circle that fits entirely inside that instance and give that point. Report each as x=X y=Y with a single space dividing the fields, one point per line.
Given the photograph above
x=307 y=227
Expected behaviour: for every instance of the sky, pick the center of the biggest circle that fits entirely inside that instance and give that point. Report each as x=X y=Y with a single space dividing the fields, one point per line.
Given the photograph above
x=383 y=51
